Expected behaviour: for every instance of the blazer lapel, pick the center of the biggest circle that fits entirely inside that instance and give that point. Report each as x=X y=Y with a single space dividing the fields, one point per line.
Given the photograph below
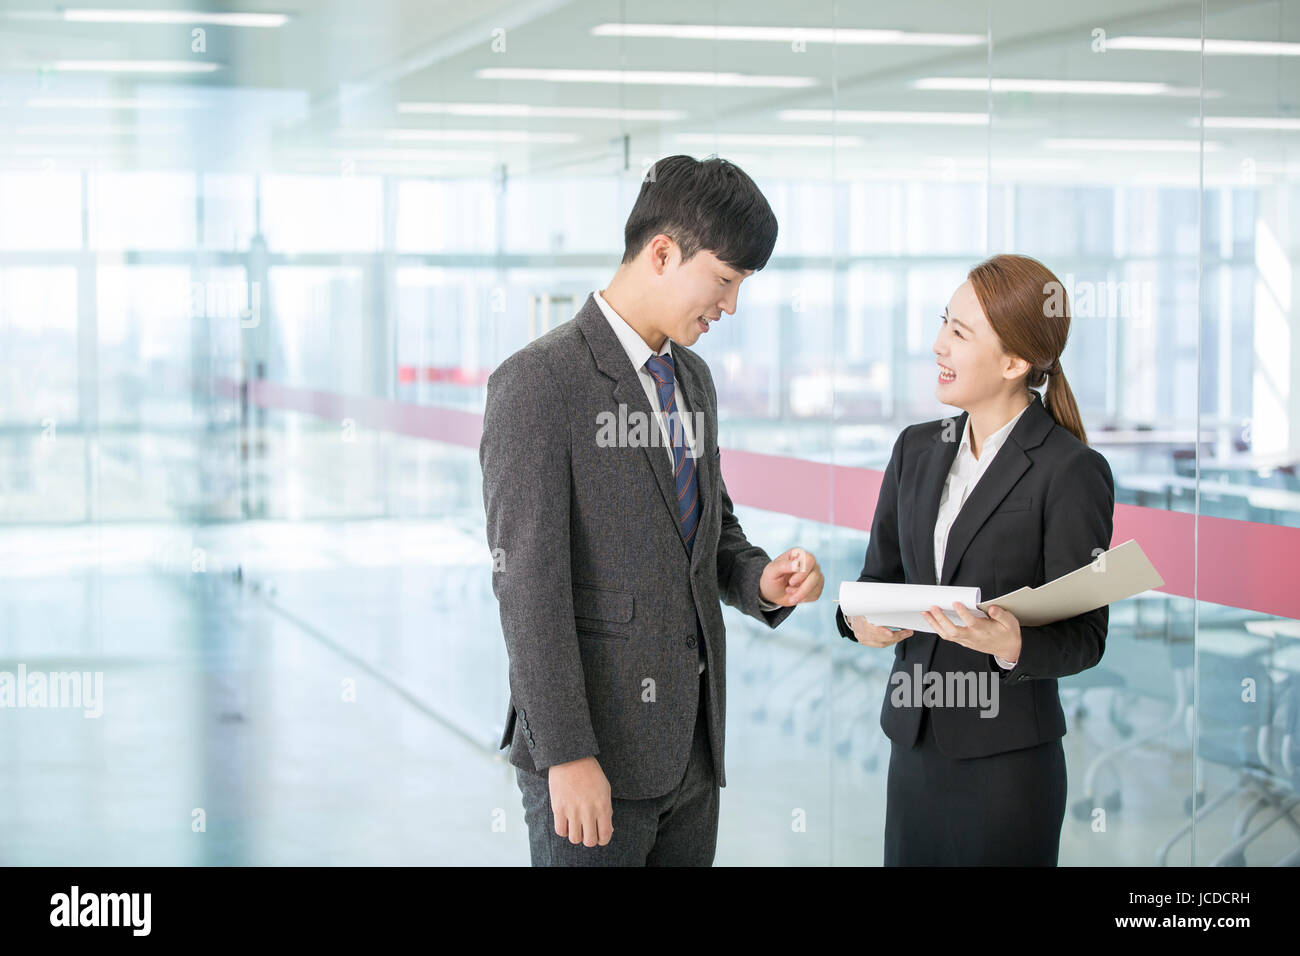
x=613 y=362
x=936 y=459
x=1004 y=471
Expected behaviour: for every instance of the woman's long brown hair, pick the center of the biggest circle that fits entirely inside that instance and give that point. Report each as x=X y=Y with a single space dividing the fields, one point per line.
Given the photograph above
x=1027 y=306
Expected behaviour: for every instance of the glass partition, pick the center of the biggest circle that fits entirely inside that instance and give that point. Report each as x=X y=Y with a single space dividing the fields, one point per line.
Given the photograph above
x=249 y=306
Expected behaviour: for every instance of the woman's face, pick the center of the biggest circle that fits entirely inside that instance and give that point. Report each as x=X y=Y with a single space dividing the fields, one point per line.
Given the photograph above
x=973 y=368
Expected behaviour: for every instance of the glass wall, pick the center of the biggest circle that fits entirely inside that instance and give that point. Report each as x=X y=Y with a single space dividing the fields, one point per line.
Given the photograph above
x=254 y=274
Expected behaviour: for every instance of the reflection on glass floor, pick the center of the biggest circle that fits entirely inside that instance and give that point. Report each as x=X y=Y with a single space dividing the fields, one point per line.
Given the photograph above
x=215 y=704
x=330 y=693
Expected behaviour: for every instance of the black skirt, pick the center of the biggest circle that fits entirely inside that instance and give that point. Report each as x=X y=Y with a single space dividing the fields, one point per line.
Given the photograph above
x=1001 y=810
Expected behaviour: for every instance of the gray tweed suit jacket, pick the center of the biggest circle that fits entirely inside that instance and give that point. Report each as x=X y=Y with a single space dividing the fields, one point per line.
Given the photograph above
x=602 y=608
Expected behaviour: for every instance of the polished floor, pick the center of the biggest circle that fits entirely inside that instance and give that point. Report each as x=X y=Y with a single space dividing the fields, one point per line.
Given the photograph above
x=330 y=693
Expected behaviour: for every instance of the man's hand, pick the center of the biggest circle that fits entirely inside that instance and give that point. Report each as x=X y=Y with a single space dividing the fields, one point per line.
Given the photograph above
x=793 y=578
x=581 y=803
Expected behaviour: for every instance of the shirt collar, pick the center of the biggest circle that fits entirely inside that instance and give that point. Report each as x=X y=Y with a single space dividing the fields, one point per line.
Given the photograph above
x=635 y=346
x=993 y=442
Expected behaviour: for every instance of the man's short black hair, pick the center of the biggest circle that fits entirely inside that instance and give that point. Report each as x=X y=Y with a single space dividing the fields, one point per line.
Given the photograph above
x=702 y=204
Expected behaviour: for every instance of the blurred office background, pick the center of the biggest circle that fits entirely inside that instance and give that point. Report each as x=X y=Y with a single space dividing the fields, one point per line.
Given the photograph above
x=258 y=259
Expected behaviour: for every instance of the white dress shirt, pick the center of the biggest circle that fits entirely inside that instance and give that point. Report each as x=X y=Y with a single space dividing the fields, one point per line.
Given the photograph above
x=638 y=353
x=965 y=472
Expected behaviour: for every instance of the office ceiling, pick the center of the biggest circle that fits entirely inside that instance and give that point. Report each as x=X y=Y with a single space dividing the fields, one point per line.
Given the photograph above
x=401 y=85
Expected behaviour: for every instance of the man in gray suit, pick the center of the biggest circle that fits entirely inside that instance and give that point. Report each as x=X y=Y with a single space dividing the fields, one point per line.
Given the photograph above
x=615 y=538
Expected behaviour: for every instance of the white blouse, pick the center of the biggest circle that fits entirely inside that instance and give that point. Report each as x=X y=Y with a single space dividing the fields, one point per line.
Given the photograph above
x=965 y=472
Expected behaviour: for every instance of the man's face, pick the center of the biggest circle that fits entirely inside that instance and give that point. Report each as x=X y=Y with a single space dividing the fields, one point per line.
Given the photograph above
x=701 y=290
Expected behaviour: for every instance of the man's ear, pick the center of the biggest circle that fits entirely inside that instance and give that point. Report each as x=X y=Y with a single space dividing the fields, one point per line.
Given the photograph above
x=661 y=253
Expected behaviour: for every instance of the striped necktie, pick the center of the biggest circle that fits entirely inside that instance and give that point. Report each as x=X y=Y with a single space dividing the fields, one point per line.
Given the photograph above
x=663 y=371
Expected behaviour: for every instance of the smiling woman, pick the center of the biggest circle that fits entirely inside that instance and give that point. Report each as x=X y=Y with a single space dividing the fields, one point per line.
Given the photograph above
x=1008 y=321
x=972 y=787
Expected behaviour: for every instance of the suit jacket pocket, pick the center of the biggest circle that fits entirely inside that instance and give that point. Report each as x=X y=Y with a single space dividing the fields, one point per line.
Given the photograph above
x=597 y=609
x=585 y=632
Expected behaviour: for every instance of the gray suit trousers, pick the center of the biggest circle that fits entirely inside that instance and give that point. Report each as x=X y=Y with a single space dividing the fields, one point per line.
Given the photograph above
x=679 y=828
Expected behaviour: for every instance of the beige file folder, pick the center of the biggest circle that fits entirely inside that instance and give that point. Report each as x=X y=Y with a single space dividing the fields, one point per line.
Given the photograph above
x=1114 y=575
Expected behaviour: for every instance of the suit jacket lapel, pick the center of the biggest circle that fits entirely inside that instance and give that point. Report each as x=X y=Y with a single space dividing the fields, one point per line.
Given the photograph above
x=1004 y=471
x=612 y=361
x=933 y=467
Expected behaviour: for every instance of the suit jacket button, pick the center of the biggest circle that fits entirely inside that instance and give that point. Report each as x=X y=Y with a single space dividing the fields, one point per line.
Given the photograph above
x=690 y=642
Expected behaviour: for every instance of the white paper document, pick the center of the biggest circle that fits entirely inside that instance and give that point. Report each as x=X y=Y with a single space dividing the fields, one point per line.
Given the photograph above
x=900 y=605
x=1114 y=575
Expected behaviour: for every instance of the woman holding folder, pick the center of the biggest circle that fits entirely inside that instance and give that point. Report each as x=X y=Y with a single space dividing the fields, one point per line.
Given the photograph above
x=1004 y=496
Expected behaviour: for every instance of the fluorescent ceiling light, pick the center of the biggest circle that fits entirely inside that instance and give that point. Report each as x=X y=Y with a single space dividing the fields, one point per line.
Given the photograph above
x=176 y=16
x=1285 y=169
x=1027 y=164
x=383 y=154
x=1212 y=46
x=91 y=129
x=369 y=167
x=1131 y=145
x=1249 y=122
x=650 y=77
x=133 y=66
x=468 y=135
x=767 y=139
x=61 y=149
x=699 y=31
x=901 y=117
x=547 y=112
x=1086 y=87
x=108 y=103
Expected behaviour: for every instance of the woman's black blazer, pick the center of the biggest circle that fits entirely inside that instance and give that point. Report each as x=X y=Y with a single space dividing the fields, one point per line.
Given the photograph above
x=1042 y=509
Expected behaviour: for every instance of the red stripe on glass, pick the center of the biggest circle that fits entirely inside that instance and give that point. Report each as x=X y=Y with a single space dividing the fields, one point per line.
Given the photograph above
x=1245 y=564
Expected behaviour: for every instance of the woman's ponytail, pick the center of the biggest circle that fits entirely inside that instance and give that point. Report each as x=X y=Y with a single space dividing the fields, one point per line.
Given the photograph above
x=1030 y=312
x=1060 y=402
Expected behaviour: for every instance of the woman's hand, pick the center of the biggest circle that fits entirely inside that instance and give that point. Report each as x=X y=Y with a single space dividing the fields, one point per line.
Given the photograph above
x=873 y=635
x=997 y=634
